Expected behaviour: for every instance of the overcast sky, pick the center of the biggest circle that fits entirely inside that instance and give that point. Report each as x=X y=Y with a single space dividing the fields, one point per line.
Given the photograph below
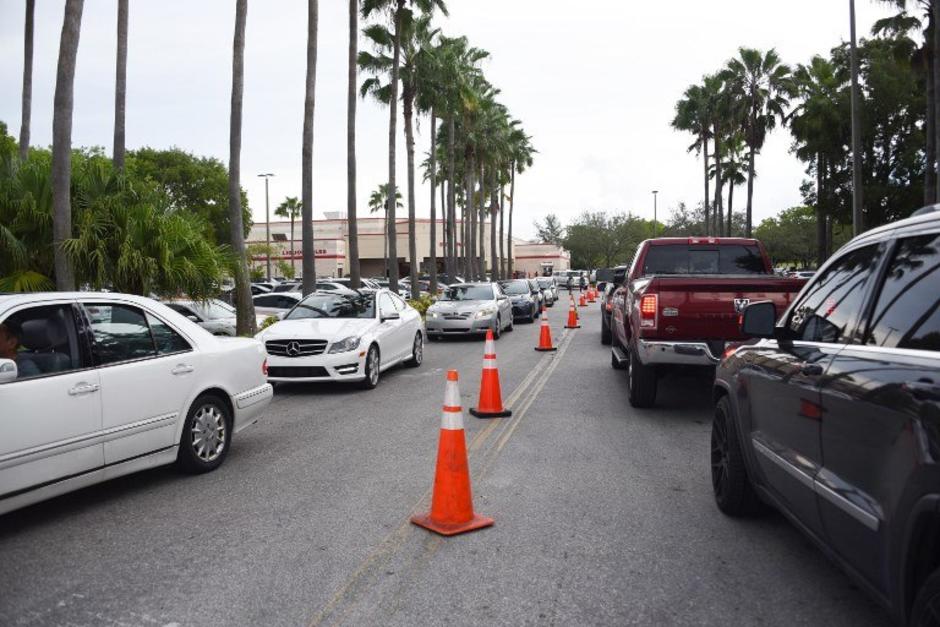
x=595 y=84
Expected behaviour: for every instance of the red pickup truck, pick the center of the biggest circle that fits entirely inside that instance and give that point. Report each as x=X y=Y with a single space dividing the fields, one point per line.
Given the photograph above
x=680 y=303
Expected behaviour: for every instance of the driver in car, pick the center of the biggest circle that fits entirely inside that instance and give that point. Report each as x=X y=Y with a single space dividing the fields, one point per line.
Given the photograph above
x=9 y=344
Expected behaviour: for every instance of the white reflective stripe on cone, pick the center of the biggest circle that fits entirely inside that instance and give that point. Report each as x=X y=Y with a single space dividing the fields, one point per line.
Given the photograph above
x=489 y=363
x=452 y=416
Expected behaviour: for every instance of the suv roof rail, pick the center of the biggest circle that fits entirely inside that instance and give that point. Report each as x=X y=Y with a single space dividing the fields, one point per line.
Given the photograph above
x=925 y=210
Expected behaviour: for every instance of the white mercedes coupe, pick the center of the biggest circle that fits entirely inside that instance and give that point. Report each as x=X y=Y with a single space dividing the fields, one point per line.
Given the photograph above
x=344 y=337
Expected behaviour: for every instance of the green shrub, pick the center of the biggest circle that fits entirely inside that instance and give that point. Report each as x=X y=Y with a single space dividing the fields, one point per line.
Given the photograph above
x=268 y=322
x=422 y=303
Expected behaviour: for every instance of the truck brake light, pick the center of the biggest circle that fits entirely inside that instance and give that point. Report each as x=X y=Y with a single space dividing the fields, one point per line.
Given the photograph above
x=649 y=305
x=703 y=240
x=264 y=367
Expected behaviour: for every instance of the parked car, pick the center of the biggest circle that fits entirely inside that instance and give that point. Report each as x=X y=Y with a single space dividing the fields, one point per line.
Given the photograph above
x=537 y=295
x=561 y=278
x=103 y=385
x=292 y=286
x=215 y=316
x=259 y=289
x=680 y=305
x=524 y=305
x=617 y=276
x=833 y=416
x=470 y=308
x=342 y=337
x=549 y=289
x=275 y=304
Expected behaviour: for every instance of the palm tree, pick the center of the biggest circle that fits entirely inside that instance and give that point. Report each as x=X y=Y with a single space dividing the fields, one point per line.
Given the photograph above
x=694 y=115
x=27 y=102
x=120 y=86
x=521 y=152
x=290 y=208
x=733 y=173
x=762 y=85
x=62 y=143
x=309 y=265
x=378 y=200
x=355 y=277
x=244 y=307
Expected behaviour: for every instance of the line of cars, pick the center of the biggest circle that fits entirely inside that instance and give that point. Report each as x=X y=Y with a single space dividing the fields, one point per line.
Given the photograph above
x=826 y=399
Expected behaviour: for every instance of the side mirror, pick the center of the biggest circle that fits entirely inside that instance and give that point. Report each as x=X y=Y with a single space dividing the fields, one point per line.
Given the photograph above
x=759 y=319
x=391 y=316
x=8 y=371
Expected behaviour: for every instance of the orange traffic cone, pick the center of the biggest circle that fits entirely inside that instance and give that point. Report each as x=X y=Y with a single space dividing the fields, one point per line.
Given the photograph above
x=572 y=317
x=582 y=301
x=545 y=335
x=491 y=398
x=451 y=501
x=592 y=298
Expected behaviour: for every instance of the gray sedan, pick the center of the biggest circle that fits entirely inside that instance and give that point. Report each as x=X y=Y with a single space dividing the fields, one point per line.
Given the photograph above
x=468 y=309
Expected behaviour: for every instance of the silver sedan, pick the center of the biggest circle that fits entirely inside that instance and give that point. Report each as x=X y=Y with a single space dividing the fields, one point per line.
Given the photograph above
x=469 y=309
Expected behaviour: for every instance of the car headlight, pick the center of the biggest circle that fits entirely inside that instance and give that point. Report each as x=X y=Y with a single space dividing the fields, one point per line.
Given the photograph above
x=345 y=345
x=433 y=314
x=484 y=313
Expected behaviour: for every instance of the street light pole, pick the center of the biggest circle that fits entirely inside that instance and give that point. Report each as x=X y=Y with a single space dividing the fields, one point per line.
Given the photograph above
x=267 y=224
x=857 y=217
x=655 y=194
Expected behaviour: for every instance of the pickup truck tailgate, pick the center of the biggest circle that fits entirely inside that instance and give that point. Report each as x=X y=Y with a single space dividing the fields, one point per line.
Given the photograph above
x=706 y=307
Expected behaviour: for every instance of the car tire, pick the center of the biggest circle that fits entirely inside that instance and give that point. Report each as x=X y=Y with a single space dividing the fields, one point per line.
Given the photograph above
x=731 y=485
x=510 y=327
x=209 y=418
x=498 y=328
x=605 y=334
x=417 y=352
x=373 y=367
x=926 y=608
x=641 y=381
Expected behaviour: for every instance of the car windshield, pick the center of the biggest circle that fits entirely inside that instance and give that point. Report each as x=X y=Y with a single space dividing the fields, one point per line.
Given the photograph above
x=685 y=259
x=544 y=282
x=216 y=309
x=334 y=306
x=516 y=287
x=468 y=292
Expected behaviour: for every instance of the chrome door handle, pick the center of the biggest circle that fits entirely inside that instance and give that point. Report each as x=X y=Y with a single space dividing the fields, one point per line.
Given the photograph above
x=84 y=388
x=182 y=369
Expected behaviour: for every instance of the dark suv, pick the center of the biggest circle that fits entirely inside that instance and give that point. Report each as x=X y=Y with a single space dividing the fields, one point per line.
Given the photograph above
x=833 y=417
x=618 y=275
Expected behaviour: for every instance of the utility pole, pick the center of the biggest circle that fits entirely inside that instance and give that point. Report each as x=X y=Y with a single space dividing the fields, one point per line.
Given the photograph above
x=267 y=224
x=655 y=194
x=857 y=217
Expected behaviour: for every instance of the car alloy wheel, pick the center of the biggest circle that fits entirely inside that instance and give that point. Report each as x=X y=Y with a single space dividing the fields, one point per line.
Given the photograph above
x=719 y=458
x=208 y=433
x=417 y=352
x=497 y=328
x=373 y=365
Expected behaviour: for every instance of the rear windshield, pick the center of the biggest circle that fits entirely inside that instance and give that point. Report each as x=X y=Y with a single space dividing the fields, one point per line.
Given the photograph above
x=685 y=259
x=516 y=287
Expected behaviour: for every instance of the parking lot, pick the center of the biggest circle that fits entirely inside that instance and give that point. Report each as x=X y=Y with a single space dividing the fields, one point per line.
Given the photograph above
x=604 y=515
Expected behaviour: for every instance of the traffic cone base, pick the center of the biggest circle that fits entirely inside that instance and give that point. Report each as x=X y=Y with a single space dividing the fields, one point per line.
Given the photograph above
x=478 y=522
x=490 y=414
x=545 y=350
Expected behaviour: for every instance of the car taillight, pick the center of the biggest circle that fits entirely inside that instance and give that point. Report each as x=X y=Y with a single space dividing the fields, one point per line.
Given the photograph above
x=649 y=304
x=609 y=307
x=264 y=367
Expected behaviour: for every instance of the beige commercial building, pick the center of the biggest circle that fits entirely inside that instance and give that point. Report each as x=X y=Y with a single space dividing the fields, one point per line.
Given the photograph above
x=331 y=243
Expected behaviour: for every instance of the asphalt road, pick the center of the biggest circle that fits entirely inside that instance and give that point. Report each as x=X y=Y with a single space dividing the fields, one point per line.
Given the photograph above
x=604 y=515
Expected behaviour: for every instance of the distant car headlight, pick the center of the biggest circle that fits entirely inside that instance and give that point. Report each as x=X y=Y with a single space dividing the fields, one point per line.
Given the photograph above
x=484 y=313
x=433 y=314
x=345 y=345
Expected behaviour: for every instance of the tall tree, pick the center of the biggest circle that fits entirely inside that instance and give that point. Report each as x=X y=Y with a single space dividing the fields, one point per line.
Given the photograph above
x=306 y=228
x=521 y=152
x=291 y=208
x=27 y=101
x=762 y=86
x=378 y=201
x=120 y=85
x=694 y=115
x=62 y=143
x=244 y=307
x=355 y=276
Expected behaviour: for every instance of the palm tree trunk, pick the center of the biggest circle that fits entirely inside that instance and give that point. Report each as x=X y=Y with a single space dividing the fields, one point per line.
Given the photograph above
x=512 y=201
x=930 y=171
x=433 y=166
x=120 y=86
x=820 y=214
x=752 y=141
x=27 y=102
x=385 y=239
x=292 y=243
x=244 y=307
x=309 y=264
x=392 y=133
x=494 y=206
x=407 y=105
x=466 y=227
x=481 y=217
x=502 y=233
x=62 y=143
x=355 y=275
x=451 y=202
x=705 y=152
x=730 y=206
x=719 y=208
x=472 y=229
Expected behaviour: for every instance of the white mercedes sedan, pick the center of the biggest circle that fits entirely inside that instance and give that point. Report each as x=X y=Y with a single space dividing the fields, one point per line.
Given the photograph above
x=95 y=386
x=341 y=337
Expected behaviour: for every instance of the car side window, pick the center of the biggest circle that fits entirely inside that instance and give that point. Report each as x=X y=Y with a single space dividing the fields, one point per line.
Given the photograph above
x=43 y=341
x=907 y=312
x=834 y=298
x=166 y=339
x=267 y=301
x=121 y=333
x=399 y=303
x=385 y=305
